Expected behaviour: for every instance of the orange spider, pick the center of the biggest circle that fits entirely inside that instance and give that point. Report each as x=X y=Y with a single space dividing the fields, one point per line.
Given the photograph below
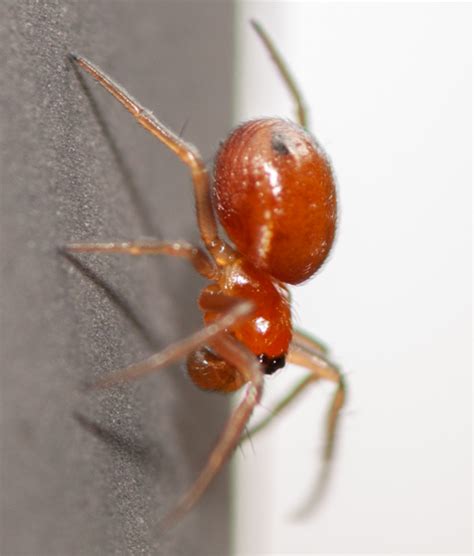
x=274 y=195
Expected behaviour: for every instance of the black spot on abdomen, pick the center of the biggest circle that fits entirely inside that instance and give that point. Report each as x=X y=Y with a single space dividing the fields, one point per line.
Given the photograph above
x=278 y=144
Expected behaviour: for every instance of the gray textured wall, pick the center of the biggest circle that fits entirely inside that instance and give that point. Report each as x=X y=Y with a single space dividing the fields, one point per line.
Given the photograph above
x=92 y=474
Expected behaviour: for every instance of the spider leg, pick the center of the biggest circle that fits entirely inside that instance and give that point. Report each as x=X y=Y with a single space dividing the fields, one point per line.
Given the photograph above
x=213 y=299
x=185 y=151
x=301 y=110
x=321 y=368
x=246 y=363
x=281 y=405
x=308 y=353
x=194 y=255
x=178 y=349
x=305 y=340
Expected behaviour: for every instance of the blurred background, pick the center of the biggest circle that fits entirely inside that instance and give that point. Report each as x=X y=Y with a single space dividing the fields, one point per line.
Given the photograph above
x=389 y=92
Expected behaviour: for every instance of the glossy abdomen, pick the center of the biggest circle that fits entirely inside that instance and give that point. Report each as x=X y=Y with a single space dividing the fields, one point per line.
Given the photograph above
x=275 y=196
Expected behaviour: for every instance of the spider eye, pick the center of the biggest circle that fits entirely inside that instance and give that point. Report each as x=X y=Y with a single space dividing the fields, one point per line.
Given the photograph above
x=271 y=364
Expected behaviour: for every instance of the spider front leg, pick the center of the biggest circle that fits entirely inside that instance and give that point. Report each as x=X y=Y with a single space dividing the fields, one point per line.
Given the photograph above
x=194 y=255
x=179 y=349
x=246 y=363
x=189 y=155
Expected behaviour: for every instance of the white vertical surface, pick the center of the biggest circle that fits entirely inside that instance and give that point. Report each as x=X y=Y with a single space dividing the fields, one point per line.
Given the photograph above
x=389 y=87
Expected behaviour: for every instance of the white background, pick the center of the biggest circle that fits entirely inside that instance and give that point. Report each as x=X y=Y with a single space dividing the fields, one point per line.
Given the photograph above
x=389 y=87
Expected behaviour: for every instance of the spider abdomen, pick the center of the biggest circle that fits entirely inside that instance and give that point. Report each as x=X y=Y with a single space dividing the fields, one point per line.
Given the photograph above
x=275 y=196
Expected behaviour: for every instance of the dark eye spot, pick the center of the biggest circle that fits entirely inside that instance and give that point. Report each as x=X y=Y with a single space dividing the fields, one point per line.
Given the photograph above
x=278 y=145
x=271 y=364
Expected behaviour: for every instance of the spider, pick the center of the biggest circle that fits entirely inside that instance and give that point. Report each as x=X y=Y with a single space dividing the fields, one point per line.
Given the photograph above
x=274 y=194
